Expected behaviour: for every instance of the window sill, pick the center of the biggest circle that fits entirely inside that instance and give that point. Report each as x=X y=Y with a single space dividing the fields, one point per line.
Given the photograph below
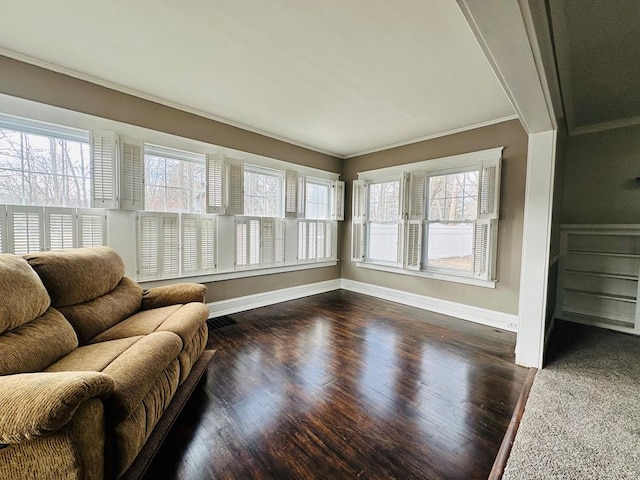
x=433 y=275
x=234 y=274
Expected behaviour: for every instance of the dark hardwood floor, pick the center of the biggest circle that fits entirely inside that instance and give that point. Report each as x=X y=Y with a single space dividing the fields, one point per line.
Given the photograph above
x=342 y=385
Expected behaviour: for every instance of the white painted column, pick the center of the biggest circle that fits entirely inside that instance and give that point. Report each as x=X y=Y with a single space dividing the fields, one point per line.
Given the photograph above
x=535 y=248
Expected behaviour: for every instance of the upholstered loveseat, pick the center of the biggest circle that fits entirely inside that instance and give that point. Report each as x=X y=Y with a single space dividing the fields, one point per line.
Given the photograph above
x=88 y=361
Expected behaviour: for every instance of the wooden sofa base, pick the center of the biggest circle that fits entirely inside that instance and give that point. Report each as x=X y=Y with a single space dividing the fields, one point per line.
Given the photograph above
x=179 y=400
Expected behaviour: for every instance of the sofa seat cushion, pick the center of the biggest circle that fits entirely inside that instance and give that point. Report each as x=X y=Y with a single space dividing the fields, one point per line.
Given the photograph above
x=134 y=364
x=183 y=320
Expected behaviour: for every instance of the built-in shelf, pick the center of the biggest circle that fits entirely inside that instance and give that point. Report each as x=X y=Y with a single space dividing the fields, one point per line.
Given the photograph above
x=598 y=279
x=603 y=254
x=608 y=296
x=621 y=276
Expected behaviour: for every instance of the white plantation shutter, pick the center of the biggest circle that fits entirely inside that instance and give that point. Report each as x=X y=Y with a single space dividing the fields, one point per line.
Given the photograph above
x=131 y=174
x=92 y=227
x=489 y=195
x=148 y=228
x=242 y=241
x=104 y=157
x=481 y=250
x=189 y=241
x=254 y=241
x=279 y=239
x=60 y=228
x=415 y=198
x=359 y=209
x=337 y=202
x=268 y=242
x=321 y=239
x=302 y=196
x=207 y=243
x=235 y=187
x=170 y=245
x=328 y=245
x=312 y=242
x=26 y=226
x=215 y=184
x=291 y=194
x=3 y=229
x=303 y=239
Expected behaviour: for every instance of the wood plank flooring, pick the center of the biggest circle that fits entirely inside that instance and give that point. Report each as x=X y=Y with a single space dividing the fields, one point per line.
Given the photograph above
x=343 y=385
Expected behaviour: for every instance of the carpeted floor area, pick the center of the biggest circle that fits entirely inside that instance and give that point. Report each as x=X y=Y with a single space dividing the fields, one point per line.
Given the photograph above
x=582 y=418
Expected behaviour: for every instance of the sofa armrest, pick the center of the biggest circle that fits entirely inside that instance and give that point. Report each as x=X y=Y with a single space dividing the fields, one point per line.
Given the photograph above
x=172 y=295
x=36 y=404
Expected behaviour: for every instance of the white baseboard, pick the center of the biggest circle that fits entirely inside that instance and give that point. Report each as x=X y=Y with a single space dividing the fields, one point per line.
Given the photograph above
x=248 y=302
x=490 y=318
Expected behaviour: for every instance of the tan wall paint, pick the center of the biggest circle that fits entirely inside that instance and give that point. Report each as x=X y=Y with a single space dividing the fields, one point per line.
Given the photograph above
x=504 y=297
x=599 y=184
x=38 y=84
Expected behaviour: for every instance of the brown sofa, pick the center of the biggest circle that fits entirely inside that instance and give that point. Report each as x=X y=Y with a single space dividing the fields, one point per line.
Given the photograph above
x=88 y=361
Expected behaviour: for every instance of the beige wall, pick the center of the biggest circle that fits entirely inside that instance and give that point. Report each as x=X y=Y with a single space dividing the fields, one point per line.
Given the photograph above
x=33 y=83
x=599 y=184
x=504 y=297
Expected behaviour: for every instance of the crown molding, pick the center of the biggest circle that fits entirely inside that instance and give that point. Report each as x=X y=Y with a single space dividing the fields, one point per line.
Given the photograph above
x=434 y=135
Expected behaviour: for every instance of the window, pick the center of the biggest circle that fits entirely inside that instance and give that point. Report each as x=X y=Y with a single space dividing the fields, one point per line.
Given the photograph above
x=318 y=195
x=383 y=215
x=452 y=213
x=262 y=192
x=440 y=218
x=175 y=180
x=43 y=165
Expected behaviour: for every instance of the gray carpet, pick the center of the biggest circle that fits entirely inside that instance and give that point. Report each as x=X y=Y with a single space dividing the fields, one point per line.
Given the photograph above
x=582 y=418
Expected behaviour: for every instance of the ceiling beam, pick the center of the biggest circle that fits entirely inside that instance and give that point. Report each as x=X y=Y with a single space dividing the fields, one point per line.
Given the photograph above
x=506 y=33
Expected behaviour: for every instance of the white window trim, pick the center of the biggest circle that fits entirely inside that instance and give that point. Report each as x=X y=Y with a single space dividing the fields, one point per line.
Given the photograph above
x=449 y=277
x=439 y=166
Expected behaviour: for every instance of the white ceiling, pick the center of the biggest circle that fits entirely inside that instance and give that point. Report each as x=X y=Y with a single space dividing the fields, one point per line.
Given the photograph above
x=342 y=77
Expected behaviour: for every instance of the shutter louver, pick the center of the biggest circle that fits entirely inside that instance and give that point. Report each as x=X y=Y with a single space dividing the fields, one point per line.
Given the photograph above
x=321 y=232
x=148 y=246
x=104 y=148
x=414 y=245
x=91 y=227
x=170 y=245
x=337 y=204
x=291 y=194
x=189 y=233
x=329 y=240
x=215 y=184
x=254 y=241
x=279 y=237
x=132 y=175
x=26 y=226
x=489 y=201
x=359 y=201
x=481 y=251
x=235 y=190
x=3 y=229
x=312 y=240
x=207 y=244
x=417 y=200
x=241 y=242
x=302 y=196
x=303 y=239
x=61 y=228
x=268 y=242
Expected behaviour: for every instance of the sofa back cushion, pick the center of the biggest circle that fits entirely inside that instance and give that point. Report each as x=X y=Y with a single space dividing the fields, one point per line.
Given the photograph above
x=23 y=297
x=32 y=335
x=77 y=275
x=97 y=315
x=35 y=345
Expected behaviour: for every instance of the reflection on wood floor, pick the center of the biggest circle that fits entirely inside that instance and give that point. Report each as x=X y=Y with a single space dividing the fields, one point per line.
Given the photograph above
x=342 y=385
